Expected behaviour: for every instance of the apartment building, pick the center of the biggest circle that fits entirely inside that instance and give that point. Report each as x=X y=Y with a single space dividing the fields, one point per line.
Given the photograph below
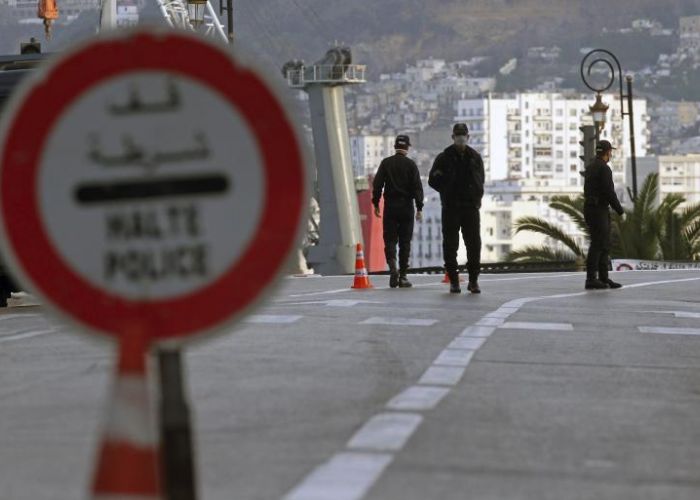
x=367 y=152
x=680 y=174
x=536 y=135
x=690 y=34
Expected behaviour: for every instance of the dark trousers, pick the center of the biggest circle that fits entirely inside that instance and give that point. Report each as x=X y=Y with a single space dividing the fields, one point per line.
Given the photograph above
x=398 y=228
x=466 y=219
x=598 y=220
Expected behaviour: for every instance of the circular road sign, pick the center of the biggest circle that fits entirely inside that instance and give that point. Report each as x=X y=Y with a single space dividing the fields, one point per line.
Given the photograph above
x=150 y=182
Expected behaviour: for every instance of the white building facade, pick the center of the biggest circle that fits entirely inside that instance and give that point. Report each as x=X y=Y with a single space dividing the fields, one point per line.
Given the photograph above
x=536 y=135
x=367 y=152
x=680 y=175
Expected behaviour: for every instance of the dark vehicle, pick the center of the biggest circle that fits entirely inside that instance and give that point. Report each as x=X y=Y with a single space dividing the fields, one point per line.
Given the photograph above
x=13 y=68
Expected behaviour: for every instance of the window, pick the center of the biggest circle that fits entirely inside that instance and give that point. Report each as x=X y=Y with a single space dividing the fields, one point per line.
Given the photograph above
x=572 y=112
x=572 y=154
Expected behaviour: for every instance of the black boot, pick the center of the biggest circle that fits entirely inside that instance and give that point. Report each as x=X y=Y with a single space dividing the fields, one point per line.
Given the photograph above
x=393 y=274
x=611 y=283
x=473 y=286
x=595 y=284
x=403 y=281
x=454 y=283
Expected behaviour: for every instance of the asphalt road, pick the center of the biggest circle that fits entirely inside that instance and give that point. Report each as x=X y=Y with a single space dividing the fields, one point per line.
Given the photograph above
x=534 y=389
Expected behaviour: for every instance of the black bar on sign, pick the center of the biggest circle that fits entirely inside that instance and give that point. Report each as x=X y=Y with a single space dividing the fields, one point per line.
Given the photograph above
x=150 y=189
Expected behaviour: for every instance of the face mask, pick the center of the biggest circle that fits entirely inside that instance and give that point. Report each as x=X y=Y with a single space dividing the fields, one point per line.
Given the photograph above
x=460 y=140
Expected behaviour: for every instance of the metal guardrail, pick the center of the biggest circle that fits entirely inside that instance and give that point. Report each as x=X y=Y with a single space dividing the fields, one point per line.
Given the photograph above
x=326 y=73
x=502 y=267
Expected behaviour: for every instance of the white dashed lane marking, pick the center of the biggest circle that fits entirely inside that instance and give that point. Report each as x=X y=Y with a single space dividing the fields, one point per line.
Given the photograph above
x=522 y=325
x=469 y=343
x=269 y=319
x=677 y=314
x=399 y=321
x=346 y=476
x=349 y=475
x=386 y=432
x=417 y=398
x=454 y=357
x=477 y=331
x=442 y=375
x=668 y=330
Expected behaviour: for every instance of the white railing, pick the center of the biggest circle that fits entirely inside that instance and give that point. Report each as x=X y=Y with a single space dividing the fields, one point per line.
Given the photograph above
x=351 y=73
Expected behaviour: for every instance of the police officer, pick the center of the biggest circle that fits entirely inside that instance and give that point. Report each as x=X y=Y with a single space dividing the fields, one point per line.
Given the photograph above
x=599 y=194
x=399 y=178
x=458 y=175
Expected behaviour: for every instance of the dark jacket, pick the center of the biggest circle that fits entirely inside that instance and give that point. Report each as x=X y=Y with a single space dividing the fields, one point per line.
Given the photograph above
x=398 y=176
x=458 y=178
x=598 y=188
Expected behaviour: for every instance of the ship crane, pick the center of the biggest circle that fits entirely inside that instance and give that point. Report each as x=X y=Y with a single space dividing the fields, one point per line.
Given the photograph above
x=48 y=11
x=190 y=15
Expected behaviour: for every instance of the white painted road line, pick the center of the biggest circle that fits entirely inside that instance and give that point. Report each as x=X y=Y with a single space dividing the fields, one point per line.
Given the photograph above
x=25 y=335
x=442 y=375
x=339 y=478
x=271 y=319
x=20 y=316
x=487 y=321
x=386 y=432
x=469 y=343
x=677 y=314
x=454 y=357
x=668 y=330
x=399 y=321
x=346 y=476
x=325 y=292
x=417 y=398
x=329 y=303
x=523 y=325
x=477 y=331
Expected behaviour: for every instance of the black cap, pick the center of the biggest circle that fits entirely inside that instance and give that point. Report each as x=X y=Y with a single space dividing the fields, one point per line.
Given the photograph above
x=460 y=129
x=402 y=142
x=603 y=146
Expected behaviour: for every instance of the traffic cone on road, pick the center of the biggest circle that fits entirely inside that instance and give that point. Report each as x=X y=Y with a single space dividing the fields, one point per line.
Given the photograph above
x=446 y=279
x=127 y=465
x=361 y=276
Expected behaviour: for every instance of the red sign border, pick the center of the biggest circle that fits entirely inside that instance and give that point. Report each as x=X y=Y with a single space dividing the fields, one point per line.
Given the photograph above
x=35 y=114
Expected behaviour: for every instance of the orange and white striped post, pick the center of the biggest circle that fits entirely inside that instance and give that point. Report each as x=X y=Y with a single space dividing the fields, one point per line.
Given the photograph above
x=127 y=467
x=361 y=276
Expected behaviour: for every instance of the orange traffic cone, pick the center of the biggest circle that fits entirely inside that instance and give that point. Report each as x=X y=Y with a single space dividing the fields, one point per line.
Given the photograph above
x=127 y=466
x=361 y=276
x=446 y=279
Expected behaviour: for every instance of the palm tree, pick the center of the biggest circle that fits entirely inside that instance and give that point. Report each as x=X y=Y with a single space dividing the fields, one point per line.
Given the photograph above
x=573 y=207
x=648 y=231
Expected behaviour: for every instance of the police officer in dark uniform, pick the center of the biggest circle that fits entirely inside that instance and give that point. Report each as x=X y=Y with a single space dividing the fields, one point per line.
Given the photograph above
x=599 y=194
x=399 y=178
x=458 y=175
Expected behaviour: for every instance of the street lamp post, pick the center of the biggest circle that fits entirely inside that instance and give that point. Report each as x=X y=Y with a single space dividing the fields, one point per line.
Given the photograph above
x=599 y=111
x=195 y=10
x=597 y=108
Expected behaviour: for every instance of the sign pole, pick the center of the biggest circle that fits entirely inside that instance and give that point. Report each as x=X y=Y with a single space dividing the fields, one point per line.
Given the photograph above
x=177 y=454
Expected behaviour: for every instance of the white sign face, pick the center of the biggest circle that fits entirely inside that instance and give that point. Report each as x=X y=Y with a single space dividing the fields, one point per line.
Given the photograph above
x=151 y=186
